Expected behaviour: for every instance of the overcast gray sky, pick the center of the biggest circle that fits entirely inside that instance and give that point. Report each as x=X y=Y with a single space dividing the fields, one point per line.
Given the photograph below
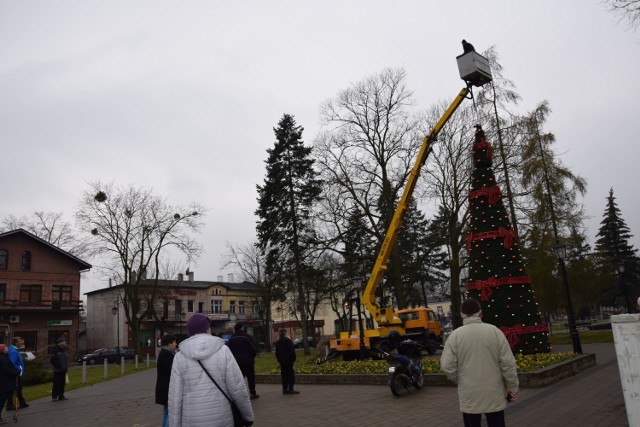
x=183 y=96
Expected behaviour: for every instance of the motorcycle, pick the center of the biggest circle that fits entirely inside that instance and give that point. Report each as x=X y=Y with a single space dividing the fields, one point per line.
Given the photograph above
x=405 y=367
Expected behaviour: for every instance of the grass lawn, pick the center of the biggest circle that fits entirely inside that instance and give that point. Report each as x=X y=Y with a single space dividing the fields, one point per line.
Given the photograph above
x=586 y=337
x=95 y=374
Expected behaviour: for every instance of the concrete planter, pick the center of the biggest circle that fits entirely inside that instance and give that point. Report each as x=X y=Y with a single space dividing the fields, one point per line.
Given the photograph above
x=535 y=379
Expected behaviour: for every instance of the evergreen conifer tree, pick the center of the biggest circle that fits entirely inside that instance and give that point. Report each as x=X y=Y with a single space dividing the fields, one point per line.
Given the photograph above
x=285 y=201
x=612 y=244
x=497 y=276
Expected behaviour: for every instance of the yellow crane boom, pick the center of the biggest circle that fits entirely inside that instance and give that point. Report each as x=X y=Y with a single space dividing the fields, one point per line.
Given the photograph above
x=384 y=315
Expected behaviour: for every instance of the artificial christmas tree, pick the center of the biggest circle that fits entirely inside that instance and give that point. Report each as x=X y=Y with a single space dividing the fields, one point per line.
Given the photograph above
x=497 y=275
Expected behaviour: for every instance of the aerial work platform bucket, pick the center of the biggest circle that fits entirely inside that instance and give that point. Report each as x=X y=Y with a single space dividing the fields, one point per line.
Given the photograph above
x=474 y=68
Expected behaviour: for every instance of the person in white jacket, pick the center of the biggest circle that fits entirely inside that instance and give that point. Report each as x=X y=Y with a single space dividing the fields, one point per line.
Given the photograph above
x=194 y=400
x=478 y=358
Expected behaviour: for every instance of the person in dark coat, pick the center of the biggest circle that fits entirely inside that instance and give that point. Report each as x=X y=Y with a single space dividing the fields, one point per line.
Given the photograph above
x=286 y=355
x=163 y=367
x=8 y=374
x=244 y=351
x=60 y=363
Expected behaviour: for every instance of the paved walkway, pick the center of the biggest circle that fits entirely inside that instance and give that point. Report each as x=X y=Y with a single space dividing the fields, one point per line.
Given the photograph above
x=591 y=398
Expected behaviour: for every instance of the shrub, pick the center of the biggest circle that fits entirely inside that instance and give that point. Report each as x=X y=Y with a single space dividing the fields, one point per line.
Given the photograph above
x=528 y=363
x=37 y=371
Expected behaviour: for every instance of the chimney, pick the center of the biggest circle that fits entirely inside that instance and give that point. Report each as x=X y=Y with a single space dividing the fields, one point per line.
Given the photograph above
x=230 y=277
x=220 y=278
x=191 y=276
x=180 y=277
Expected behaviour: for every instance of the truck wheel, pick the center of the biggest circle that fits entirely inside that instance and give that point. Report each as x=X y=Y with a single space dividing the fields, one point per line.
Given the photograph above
x=348 y=356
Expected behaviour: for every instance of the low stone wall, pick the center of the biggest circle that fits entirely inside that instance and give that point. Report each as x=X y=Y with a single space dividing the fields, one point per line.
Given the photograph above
x=558 y=372
x=535 y=379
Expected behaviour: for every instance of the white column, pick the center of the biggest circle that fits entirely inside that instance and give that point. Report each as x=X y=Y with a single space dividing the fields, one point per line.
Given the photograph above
x=626 y=337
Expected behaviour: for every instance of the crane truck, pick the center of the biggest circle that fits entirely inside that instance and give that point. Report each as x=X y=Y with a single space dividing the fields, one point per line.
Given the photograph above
x=420 y=323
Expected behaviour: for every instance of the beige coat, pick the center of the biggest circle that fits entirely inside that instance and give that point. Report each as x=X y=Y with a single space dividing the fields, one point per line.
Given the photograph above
x=477 y=357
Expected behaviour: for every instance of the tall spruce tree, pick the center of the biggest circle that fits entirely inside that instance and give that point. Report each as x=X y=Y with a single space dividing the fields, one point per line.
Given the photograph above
x=422 y=256
x=497 y=275
x=612 y=244
x=285 y=200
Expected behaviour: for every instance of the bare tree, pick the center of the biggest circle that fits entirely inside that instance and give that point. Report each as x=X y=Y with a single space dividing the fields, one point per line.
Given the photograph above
x=49 y=226
x=625 y=10
x=495 y=98
x=132 y=230
x=448 y=182
x=252 y=262
x=365 y=155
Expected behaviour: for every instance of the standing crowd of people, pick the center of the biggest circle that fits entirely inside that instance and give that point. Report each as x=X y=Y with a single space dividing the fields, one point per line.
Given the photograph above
x=11 y=373
x=200 y=380
x=196 y=384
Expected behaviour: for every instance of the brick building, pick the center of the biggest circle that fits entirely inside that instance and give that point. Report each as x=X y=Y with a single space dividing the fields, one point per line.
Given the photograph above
x=39 y=291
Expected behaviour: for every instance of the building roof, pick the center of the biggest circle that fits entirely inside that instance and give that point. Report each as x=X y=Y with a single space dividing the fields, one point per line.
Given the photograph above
x=83 y=264
x=186 y=284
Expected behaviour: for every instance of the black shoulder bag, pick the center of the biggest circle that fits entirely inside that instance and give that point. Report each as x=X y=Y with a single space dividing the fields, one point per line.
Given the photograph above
x=238 y=421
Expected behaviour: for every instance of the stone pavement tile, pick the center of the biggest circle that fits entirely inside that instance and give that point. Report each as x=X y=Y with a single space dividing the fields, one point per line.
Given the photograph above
x=591 y=398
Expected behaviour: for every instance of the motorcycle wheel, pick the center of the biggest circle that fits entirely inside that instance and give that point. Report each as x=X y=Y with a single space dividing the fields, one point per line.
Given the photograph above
x=399 y=384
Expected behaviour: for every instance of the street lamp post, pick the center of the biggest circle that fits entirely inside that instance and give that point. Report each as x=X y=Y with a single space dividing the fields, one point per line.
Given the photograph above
x=620 y=267
x=561 y=253
x=357 y=287
x=116 y=312
x=280 y=310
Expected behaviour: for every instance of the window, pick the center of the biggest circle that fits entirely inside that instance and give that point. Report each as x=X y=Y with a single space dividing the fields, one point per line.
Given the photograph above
x=190 y=306
x=200 y=307
x=178 y=304
x=4 y=259
x=30 y=294
x=61 y=293
x=165 y=310
x=26 y=261
x=3 y=291
x=216 y=306
x=241 y=307
x=232 y=307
